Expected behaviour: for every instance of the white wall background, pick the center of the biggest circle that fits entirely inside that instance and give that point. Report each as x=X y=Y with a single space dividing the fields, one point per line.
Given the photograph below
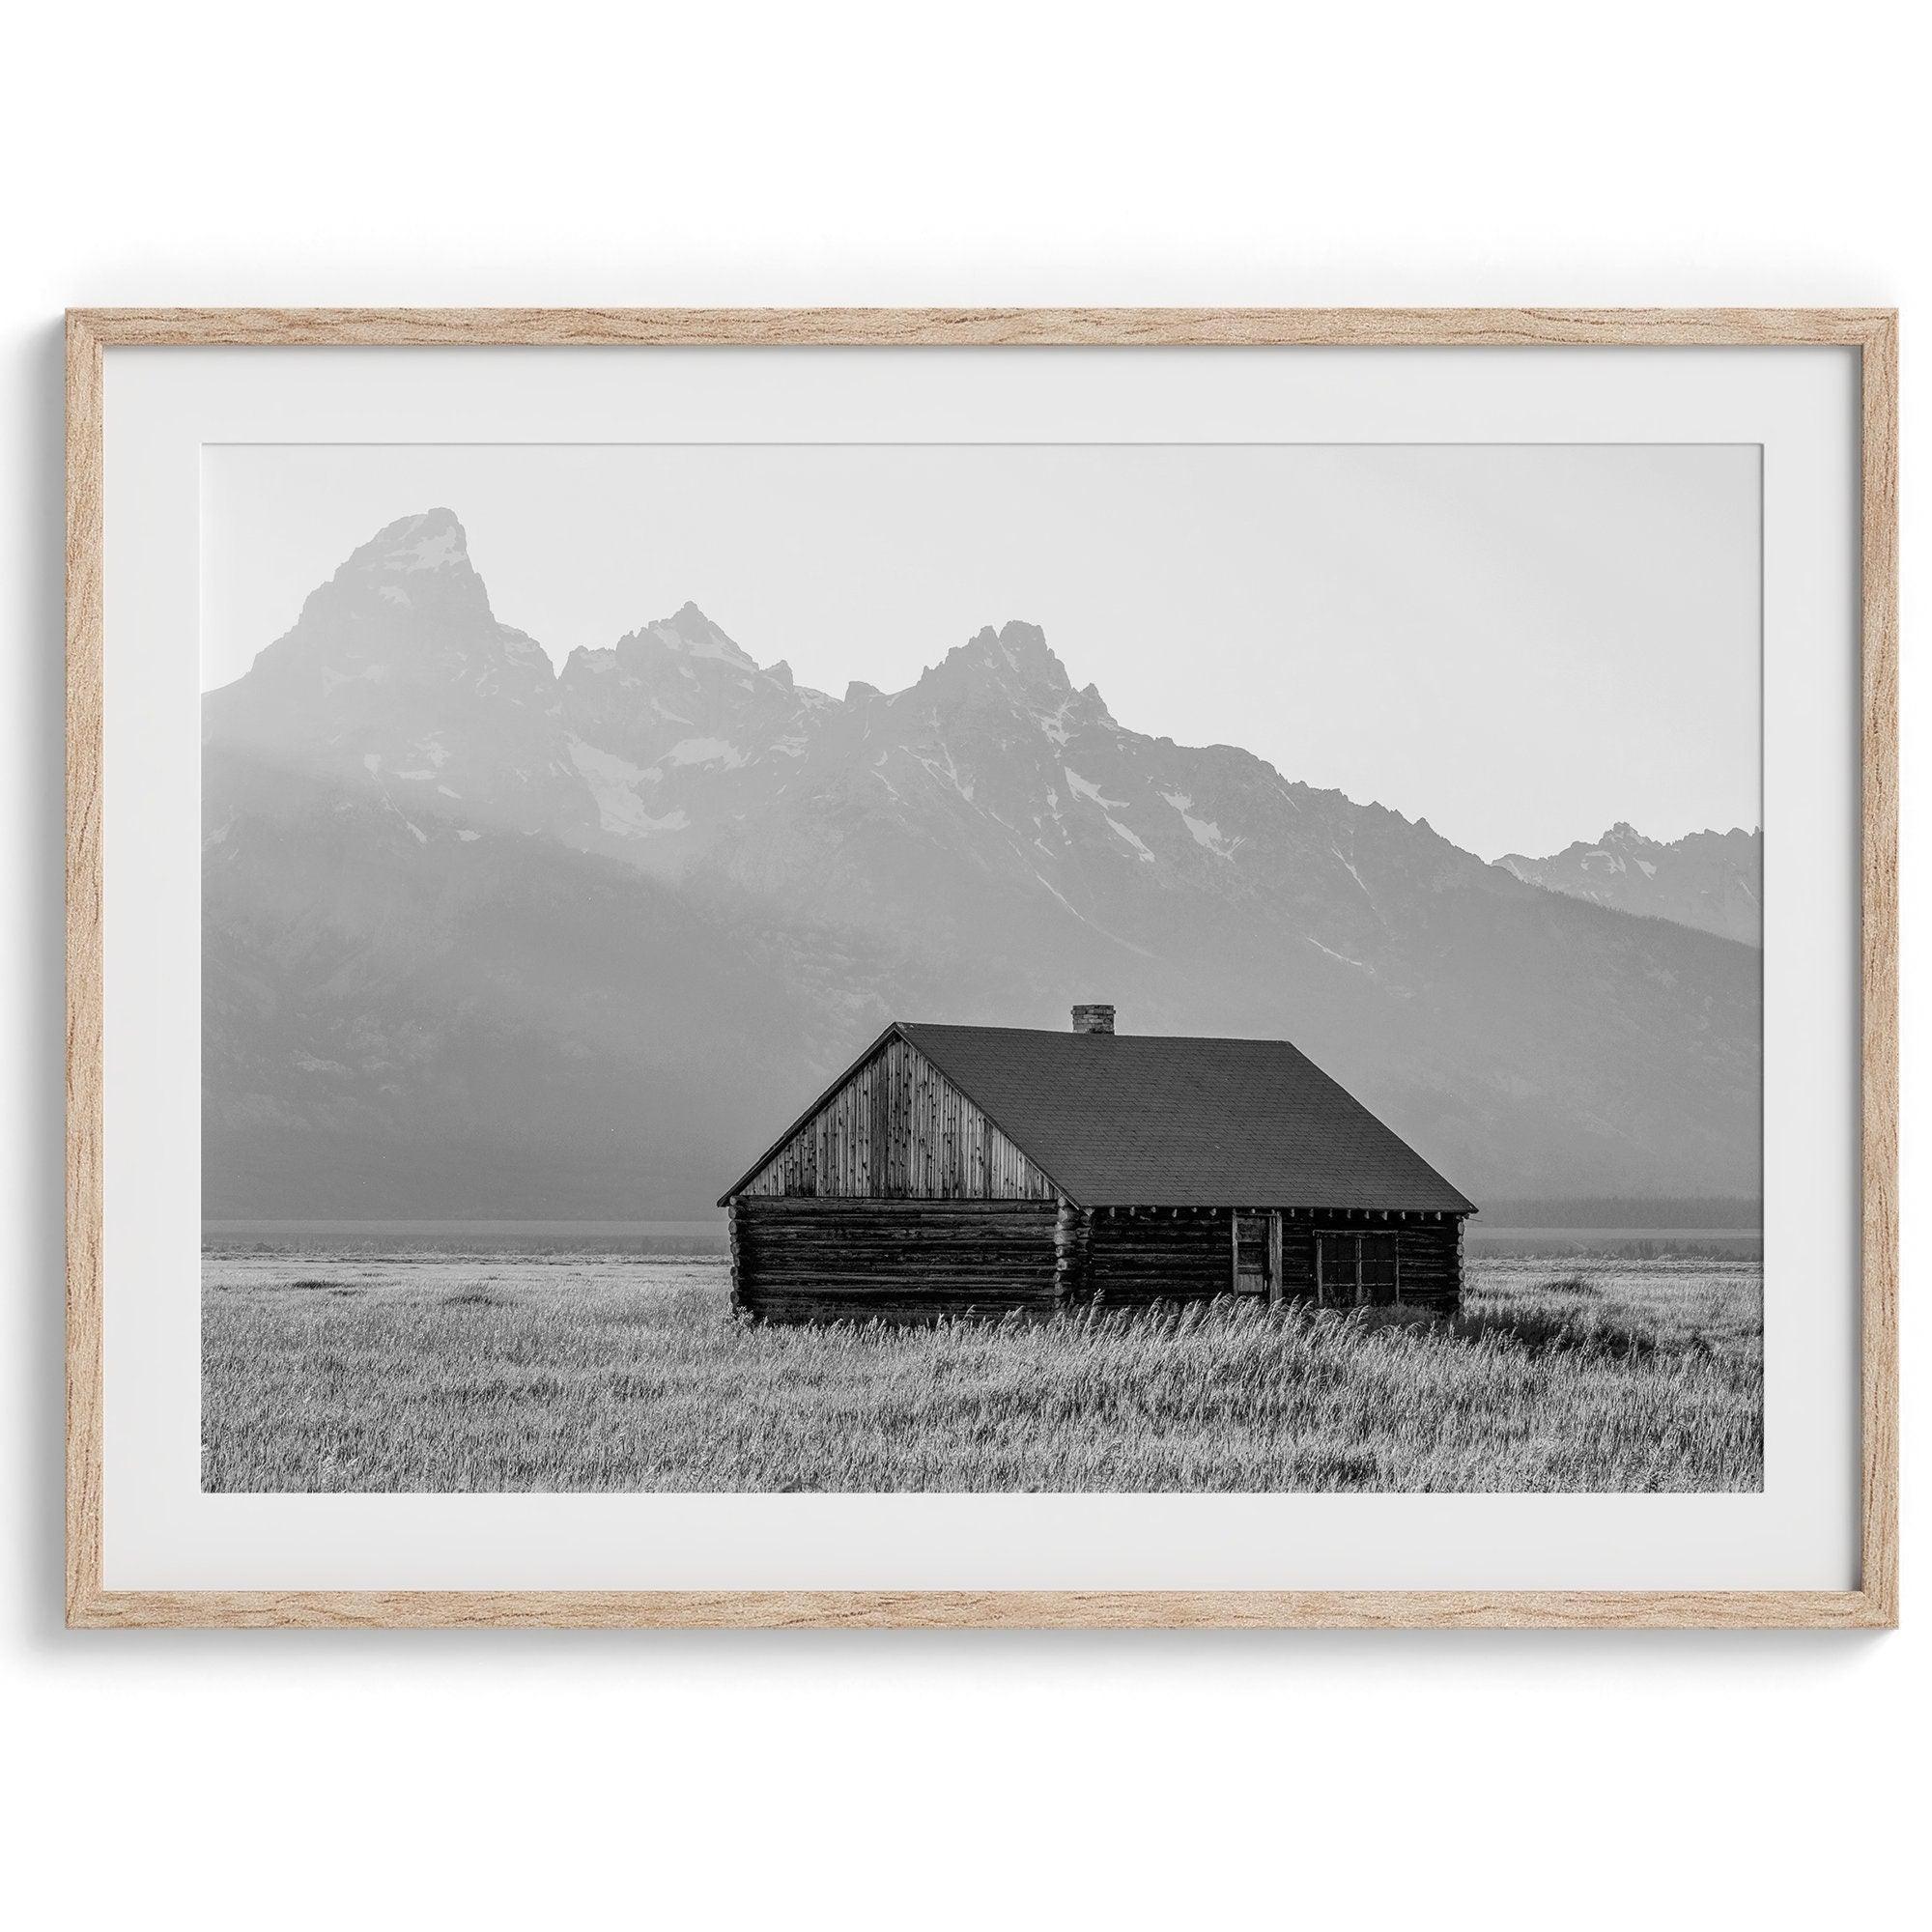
x=1003 y=154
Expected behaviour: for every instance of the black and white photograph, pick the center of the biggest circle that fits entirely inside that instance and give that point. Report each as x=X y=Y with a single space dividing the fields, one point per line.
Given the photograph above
x=933 y=926
x=1002 y=968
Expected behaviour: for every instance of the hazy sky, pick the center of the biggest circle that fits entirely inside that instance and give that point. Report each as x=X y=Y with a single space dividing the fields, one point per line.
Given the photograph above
x=1521 y=644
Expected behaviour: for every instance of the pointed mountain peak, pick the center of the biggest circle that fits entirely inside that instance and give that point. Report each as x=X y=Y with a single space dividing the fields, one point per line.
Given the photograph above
x=432 y=541
x=1015 y=657
x=419 y=564
x=1623 y=833
x=1025 y=649
x=690 y=632
x=1098 y=705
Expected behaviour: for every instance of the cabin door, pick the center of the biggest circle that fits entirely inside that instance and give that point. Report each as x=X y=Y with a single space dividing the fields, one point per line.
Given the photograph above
x=1258 y=1255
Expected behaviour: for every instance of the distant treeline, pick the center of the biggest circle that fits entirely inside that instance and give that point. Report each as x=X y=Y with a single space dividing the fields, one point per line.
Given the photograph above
x=1625 y=1210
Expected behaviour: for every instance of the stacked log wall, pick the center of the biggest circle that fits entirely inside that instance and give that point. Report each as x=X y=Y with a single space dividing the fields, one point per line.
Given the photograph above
x=1298 y=1256
x=1143 y=1256
x=1428 y=1257
x=852 y=1259
x=1140 y=1256
x=1428 y=1263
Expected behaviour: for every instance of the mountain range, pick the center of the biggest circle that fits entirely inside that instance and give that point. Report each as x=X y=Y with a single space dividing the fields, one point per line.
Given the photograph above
x=1711 y=880
x=485 y=938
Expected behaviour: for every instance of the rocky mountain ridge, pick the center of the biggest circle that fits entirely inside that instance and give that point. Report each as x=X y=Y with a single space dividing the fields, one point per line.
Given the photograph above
x=987 y=844
x=1710 y=880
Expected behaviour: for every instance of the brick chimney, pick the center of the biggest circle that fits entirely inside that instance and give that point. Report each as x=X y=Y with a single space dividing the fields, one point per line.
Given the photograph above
x=1092 y=1020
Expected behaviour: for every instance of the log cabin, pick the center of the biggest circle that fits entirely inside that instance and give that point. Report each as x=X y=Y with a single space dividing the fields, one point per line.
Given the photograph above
x=986 y=1170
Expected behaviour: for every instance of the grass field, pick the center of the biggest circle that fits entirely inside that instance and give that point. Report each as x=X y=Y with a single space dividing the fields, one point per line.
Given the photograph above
x=423 y=1373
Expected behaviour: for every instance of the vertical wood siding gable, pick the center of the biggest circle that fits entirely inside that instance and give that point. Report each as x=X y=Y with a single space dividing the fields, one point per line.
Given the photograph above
x=896 y=1128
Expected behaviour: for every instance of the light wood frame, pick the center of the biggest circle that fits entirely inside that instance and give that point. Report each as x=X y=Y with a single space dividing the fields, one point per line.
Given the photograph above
x=1872 y=333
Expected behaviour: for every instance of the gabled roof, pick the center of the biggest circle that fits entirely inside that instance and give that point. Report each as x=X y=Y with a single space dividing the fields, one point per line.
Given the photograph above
x=1154 y=1121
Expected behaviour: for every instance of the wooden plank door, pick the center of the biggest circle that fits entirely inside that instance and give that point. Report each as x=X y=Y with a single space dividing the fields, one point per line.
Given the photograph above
x=1251 y=1254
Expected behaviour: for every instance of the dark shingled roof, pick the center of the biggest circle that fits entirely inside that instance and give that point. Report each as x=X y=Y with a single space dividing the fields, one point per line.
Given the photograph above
x=1143 y=1120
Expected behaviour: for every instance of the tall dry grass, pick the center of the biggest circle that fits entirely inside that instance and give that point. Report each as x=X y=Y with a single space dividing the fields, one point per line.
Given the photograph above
x=578 y=1373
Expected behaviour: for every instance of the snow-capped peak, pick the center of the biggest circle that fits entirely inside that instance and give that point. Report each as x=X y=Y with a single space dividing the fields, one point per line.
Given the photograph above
x=690 y=632
x=1623 y=835
x=431 y=541
x=1017 y=650
x=416 y=562
x=1709 y=880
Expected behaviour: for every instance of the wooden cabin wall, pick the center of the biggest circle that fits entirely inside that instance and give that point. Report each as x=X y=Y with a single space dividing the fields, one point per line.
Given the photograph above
x=1137 y=1258
x=899 y=1130
x=854 y=1259
x=1428 y=1257
x=1298 y=1256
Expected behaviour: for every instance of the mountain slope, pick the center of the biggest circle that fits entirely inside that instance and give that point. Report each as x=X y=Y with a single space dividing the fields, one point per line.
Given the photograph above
x=594 y=933
x=405 y=1018
x=398 y=681
x=1710 y=880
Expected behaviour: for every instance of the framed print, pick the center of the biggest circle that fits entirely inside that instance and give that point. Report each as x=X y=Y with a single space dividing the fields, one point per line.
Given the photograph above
x=1019 y=968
